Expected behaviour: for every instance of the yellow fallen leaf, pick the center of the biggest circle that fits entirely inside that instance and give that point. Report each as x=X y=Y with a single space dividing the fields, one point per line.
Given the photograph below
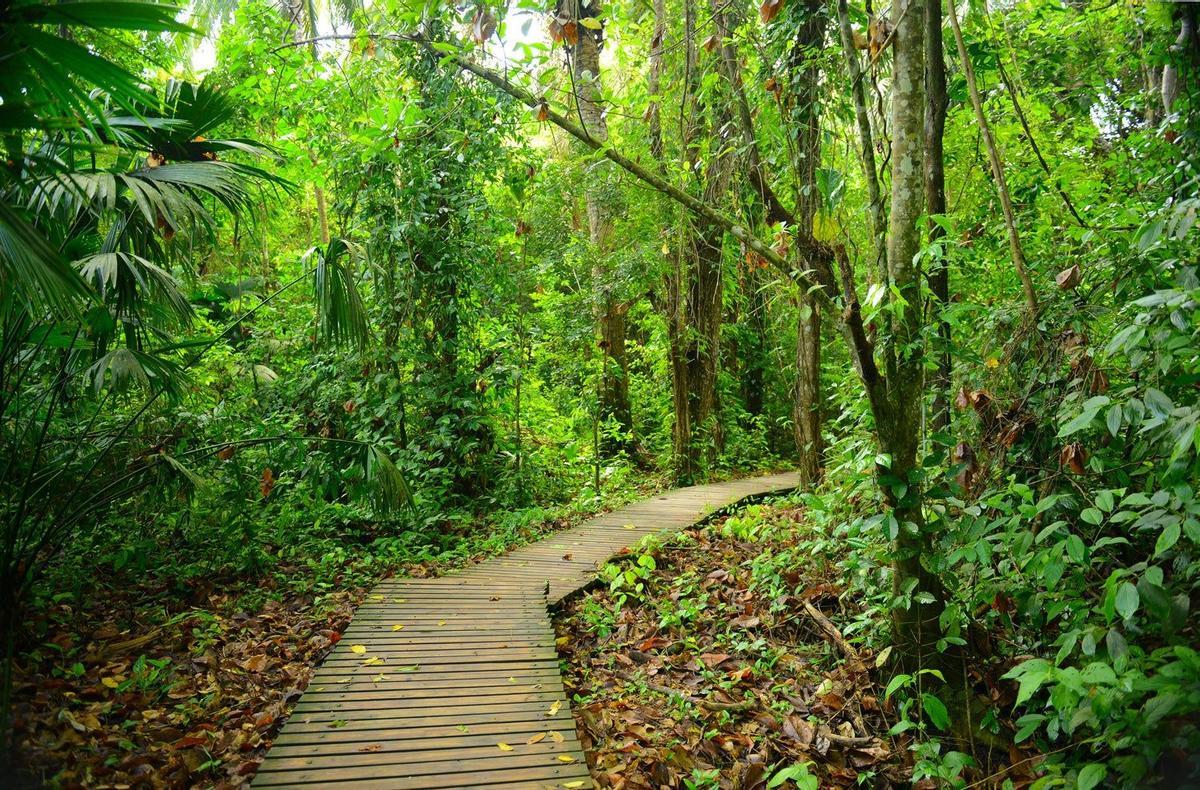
x=512 y=680
x=110 y=682
x=378 y=677
x=372 y=661
x=538 y=738
x=629 y=526
x=441 y=622
x=398 y=600
x=566 y=758
x=376 y=597
x=556 y=736
x=504 y=747
x=555 y=707
x=397 y=627
x=359 y=649
x=576 y=783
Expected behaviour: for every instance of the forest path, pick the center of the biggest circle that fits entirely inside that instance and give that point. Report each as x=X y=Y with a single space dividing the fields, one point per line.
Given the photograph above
x=453 y=682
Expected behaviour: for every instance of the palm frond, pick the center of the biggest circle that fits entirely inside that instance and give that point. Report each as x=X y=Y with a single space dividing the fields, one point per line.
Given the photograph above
x=389 y=491
x=130 y=277
x=123 y=368
x=342 y=316
x=33 y=272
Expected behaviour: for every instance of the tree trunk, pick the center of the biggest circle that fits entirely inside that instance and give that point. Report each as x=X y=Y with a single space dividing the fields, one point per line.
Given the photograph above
x=805 y=107
x=936 y=104
x=866 y=148
x=704 y=312
x=584 y=67
x=754 y=379
x=1010 y=219
x=898 y=412
x=806 y=405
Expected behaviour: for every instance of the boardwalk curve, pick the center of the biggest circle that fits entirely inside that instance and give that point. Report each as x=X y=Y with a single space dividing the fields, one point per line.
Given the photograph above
x=453 y=682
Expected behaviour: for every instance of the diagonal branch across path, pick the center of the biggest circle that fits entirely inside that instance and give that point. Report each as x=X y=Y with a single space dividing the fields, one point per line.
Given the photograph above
x=453 y=682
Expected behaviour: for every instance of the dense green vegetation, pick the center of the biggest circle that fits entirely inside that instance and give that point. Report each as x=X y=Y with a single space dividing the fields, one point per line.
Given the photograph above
x=294 y=296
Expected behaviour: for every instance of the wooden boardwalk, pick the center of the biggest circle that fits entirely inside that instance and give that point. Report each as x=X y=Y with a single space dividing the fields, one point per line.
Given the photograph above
x=453 y=682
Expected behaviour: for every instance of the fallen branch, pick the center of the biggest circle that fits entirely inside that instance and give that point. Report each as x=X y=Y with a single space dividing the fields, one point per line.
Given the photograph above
x=731 y=707
x=844 y=740
x=831 y=631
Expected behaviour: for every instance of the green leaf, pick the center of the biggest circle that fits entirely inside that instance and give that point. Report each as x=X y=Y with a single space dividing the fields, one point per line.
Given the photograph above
x=1030 y=676
x=1127 y=600
x=896 y=683
x=1167 y=538
x=1075 y=548
x=1092 y=516
x=1077 y=424
x=1113 y=419
x=935 y=709
x=1091 y=775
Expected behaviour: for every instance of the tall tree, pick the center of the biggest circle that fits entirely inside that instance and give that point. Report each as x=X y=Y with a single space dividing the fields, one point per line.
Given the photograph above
x=577 y=24
x=801 y=107
x=937 y=102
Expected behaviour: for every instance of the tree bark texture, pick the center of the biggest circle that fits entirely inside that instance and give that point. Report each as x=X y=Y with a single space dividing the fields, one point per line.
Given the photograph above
x=584 y=57
x=937 y=103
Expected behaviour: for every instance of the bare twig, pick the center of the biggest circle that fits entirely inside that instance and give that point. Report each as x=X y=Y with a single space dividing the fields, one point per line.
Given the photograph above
x=831 y=631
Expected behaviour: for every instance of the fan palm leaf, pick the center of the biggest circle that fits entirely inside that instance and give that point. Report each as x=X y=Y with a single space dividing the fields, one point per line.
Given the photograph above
x=341 y=314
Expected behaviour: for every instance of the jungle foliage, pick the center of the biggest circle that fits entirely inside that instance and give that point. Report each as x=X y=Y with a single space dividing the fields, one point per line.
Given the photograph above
x=293 y=296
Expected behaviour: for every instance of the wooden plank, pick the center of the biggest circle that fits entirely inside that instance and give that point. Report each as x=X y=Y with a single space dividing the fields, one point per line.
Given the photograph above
x=470 y=777
x=401 y=740
x=472 y=665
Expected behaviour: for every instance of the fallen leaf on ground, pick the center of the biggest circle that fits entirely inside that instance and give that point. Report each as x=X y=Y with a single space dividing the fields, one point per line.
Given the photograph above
x=359 y=649
x=504 y=747
x=536 y=738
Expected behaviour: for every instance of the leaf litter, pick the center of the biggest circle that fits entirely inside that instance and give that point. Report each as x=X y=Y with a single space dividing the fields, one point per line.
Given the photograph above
x=739 y=685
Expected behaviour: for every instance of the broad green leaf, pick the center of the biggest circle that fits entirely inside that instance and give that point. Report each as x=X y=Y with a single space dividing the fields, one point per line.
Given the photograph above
x=1167 y=538
x=1091 y=775
x=935 y=709
x=1127 y=600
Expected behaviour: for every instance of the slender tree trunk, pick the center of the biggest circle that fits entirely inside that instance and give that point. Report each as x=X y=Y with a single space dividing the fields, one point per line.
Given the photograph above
x=584 y=69
x=322 y=215
x=803 y=108
x=754 y=379
x=1010 y=219
x=866 y=147
x=684 y=461
x=806 y=405
x=704 y=309
x=936 y=104
x=805 y=111
x=898 y=413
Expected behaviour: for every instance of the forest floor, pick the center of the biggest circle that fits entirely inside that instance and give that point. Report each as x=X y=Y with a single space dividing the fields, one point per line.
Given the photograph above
x=151 y=680
x=706 y=679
